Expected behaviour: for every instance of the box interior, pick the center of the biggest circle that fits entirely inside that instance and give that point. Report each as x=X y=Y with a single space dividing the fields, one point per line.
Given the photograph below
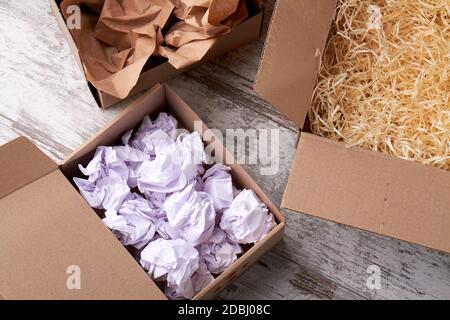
x=157 y=69
x=163 y=99
x=352 y=186
x=159 y=99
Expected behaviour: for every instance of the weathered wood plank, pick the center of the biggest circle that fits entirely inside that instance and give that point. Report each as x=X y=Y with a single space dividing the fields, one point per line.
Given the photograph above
x=44 y=97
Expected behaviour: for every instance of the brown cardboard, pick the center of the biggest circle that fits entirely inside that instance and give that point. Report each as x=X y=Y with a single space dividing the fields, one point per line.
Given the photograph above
x=352 y=186
x=21 y=163
x=161 y=98
x=292 y=55
x=370 y=191
x=45 y=227
x=240 y=35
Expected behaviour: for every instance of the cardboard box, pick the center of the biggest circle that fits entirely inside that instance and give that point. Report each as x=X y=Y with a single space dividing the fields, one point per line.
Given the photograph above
x=352 y=186
x=240 y=35
x=46 y=226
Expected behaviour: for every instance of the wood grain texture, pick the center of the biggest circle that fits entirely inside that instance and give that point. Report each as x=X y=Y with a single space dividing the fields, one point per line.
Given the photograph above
x=44 y=97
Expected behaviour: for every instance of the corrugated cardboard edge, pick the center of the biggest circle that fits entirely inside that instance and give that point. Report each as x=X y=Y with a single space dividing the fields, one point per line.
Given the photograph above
x=263 y=53
x=371 y=191
x=21 y=163
x=292 y=55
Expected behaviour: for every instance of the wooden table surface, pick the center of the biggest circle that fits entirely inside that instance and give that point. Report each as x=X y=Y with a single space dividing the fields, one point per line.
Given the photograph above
x=44 y=97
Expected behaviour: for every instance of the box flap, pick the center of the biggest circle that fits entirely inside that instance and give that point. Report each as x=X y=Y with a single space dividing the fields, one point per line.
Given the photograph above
x=370 y=191
x=291 y=60
x=45 y=228
x=20 y=163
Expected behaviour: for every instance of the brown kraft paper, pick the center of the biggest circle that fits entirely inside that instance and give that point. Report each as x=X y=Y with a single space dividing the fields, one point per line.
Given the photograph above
x=117 y=37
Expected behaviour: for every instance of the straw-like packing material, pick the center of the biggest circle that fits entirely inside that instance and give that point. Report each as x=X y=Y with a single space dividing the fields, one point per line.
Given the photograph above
x=384 y=82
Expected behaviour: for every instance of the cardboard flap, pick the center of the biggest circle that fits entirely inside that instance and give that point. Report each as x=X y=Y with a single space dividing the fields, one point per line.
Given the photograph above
x=370 y=191
x=292 y=56
x=54 y=246
x=21 y=162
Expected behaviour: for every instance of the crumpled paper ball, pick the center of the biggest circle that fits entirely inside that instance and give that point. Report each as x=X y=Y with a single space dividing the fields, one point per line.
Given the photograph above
x=219 y=252
x=110 y=176
x=106 y=193
x=153 y=136
x=175 y=261
x=218 y=184
x=247 y=220
x=174 y=166
x=130 y=230
x=136 y=222
x=191 y=215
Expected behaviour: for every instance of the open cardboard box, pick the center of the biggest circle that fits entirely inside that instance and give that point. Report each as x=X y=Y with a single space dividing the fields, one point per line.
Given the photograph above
x=240 y=35
x=46 y=226
x=352 y=186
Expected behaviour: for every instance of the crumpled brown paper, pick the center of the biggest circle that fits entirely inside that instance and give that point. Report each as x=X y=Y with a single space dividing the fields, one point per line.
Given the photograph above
x=202 y=21
x=117 y=37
